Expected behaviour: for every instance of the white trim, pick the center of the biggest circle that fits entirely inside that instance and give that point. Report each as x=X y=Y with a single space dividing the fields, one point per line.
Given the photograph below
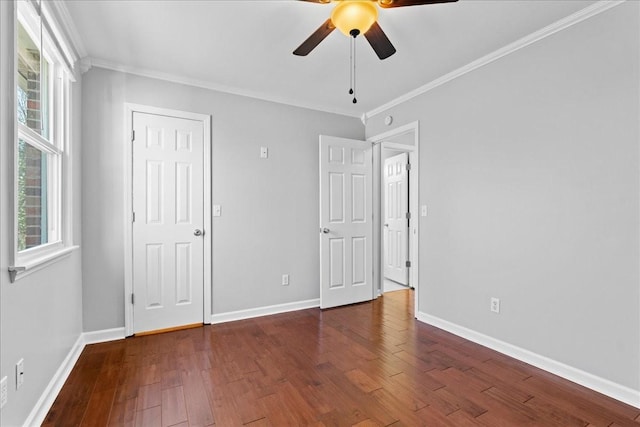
x=87 y=63
x=60 y=167
x=264 y=311
x=562 y=24
x=414 y=186
x=400 y=130
x=128 y=205
x=128 y=218
x=104 y=335
x=55 y=44
x=39 y=412
x=599 y=384
x=207 y=220
x=43 y=260
x=60 y=39
x=65 y=24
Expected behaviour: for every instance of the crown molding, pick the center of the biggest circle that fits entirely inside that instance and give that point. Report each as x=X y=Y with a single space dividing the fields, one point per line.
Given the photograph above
x=89 y=62
x=562 y=24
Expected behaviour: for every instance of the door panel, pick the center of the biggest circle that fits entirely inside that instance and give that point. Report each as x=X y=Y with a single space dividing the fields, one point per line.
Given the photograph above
x=154 y=275
x=395 y=233
x=346 y=274
x=168 y=189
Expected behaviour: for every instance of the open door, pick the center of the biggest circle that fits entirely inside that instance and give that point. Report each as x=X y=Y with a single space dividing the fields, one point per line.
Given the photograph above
x=396 y=218
x=346 y=217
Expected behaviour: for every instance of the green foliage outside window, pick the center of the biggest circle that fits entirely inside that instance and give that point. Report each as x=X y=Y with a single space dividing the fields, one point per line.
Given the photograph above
x=22 y=196
x=22 y=174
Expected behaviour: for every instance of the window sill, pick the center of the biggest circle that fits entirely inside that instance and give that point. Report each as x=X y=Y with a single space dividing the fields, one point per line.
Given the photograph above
x=17 y=272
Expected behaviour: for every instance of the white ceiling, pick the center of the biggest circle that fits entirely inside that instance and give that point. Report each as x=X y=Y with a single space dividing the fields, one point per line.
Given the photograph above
x=245 y=46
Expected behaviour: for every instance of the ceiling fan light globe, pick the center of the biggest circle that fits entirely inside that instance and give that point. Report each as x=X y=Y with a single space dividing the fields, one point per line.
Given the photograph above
x=349 y=15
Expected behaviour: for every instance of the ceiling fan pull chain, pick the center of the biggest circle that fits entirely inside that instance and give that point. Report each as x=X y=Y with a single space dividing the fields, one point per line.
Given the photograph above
x=351 y=66
x=354 y=70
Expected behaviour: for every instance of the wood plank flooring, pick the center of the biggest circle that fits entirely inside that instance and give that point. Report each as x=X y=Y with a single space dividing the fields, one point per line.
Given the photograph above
x=369 y=364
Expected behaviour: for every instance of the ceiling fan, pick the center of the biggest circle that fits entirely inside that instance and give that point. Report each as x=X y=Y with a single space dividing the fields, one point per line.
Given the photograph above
x=355 y=17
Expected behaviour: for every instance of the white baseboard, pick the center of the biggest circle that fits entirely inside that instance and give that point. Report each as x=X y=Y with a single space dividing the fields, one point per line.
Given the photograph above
x=40 y=410
x=601 y=385
x=104 y=335
x=264 y=311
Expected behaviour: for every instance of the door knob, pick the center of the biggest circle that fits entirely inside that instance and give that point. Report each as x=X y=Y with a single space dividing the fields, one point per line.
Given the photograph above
x=325 y=230
x=198 y=232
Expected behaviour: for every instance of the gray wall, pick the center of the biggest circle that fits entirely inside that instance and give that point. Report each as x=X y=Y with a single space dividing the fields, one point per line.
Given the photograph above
x=40 y=314
x=529 y=166
x=269 y=222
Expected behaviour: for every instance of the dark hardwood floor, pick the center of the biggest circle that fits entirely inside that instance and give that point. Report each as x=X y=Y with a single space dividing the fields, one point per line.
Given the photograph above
x=369 y=364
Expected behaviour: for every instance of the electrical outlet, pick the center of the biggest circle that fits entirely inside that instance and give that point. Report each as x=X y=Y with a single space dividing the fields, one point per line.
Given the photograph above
x=495 y=305
x=3 y=392
x=285 y=280
x=19 y=373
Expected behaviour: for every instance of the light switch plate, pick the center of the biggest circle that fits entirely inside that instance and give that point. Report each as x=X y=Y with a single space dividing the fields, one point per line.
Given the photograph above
x=264 y=152
x=423 y=210
x=217 y=210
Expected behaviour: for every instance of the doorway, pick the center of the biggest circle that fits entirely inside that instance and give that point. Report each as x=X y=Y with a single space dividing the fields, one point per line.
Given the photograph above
x=400 y=143
x=395 y=173
x=168 y=220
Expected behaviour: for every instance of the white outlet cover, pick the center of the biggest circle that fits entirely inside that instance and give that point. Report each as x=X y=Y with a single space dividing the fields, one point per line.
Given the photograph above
x=3 y=392
x=495 y=305
x=285 y=280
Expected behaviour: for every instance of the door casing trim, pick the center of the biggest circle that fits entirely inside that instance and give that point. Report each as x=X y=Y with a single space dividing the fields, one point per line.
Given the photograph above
x=131 y=108
x=381 y=141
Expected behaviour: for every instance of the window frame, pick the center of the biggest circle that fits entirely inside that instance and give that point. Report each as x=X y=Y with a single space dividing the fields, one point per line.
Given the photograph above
x=56 y=147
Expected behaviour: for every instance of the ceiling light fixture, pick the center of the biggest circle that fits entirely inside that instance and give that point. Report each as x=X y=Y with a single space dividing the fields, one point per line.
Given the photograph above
x=352 y=18
x=355 y=16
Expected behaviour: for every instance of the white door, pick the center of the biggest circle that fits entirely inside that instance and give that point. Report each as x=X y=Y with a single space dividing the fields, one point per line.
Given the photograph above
x=396 y=221
x=346 y=232
x=168 y=248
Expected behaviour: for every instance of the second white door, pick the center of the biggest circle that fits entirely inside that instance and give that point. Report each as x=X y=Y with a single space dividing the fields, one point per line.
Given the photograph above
x=396 y=221
x=346 y=232
x=168 y=247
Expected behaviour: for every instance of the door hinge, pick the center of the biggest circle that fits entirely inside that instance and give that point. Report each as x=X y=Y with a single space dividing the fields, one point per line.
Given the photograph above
x=132 y=299
x=408 y=166
x=408 y=215
x=408 y=264
x=133 y=217
x=133 y=135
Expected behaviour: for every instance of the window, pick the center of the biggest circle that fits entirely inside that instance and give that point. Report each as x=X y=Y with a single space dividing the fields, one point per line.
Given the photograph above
x=42 y=101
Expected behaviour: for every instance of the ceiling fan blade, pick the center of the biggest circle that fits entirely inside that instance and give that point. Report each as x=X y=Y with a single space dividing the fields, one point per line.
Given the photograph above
x=379 y=41
x=314 y=39
x=318 y=1
x=401 y=3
